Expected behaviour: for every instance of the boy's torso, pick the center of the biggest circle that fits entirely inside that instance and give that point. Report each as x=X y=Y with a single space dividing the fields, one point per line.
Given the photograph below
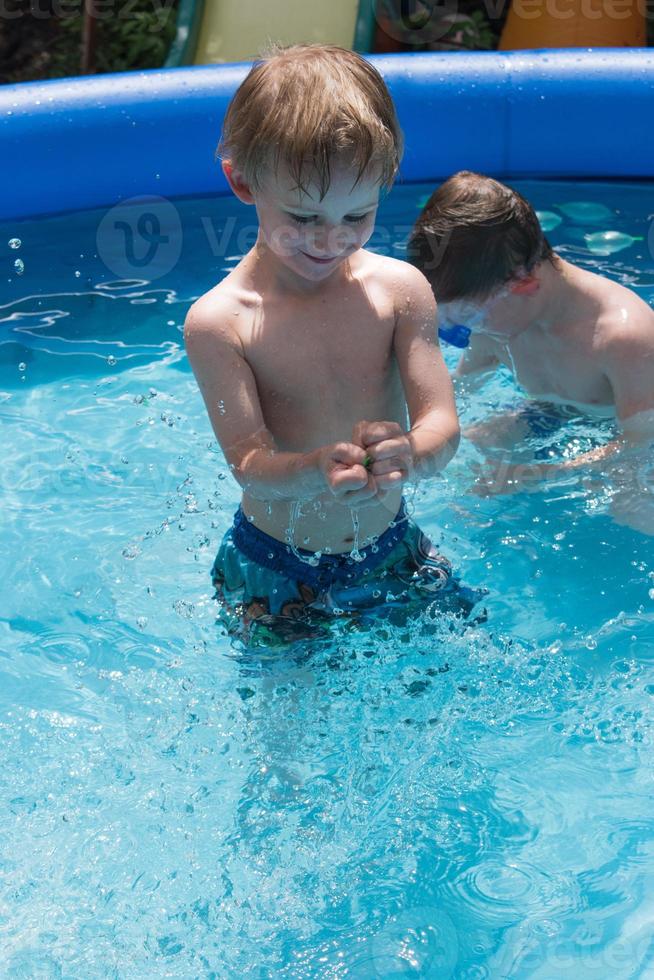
x=566 y=364
x=322 y=363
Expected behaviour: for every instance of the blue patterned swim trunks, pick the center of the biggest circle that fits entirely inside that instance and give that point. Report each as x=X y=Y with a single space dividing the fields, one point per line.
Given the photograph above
x=553 y=425
x=262 y=582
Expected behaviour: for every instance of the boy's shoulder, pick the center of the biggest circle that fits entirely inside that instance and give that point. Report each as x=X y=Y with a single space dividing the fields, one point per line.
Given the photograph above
x=404 y=281
x=388 y=266
x=621 y=327
x=625 y=317
x=216 y=311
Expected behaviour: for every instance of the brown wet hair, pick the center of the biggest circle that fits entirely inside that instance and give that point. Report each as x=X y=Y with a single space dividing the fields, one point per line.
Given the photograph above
x=474 y=235
x=304 y=106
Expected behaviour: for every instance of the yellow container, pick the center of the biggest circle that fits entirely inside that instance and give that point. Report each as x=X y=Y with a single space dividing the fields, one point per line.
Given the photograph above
x=235 y=30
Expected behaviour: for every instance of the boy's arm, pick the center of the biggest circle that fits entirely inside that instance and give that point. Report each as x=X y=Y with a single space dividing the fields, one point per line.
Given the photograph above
x=629 y=368
x=479 y=357
x=434 y=434
x=230 y=394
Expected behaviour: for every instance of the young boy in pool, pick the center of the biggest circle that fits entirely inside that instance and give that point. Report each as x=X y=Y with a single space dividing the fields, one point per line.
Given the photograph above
x=309 y=353
x=576 y=342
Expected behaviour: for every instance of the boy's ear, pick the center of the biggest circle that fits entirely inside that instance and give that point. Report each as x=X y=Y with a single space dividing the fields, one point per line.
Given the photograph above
x=236 y=182
x=526 y=286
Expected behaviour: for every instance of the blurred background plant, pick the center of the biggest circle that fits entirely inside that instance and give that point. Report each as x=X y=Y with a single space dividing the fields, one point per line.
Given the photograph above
x=44 y=40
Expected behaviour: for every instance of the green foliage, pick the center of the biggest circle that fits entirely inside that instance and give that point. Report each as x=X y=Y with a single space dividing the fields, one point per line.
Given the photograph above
x=472 y=32
x=131 y=34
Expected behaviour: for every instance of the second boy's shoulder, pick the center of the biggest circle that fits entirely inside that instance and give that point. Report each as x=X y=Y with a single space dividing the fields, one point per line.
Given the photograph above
x=626 y=321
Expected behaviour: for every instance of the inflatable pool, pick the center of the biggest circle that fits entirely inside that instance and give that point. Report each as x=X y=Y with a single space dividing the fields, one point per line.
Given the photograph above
x=409 y=800
x=82 y=143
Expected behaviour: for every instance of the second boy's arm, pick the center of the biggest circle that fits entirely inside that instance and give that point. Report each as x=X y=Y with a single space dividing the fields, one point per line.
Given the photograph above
x=629 y=368
x=479 y=358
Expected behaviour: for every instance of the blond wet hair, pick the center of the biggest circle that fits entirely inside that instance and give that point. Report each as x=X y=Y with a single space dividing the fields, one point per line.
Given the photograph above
x=305 y=106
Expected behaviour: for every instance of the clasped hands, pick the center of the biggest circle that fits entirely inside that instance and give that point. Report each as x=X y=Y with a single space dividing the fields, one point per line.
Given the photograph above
x=378 y=459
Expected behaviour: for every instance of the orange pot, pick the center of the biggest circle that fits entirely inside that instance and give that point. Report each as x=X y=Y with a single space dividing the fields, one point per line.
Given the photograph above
x=574 y=24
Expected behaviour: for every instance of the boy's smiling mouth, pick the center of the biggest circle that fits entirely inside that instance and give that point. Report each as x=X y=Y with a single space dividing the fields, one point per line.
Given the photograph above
x=321 y=261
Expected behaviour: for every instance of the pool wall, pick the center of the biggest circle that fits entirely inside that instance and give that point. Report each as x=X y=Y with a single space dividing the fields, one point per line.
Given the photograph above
x=79 y=143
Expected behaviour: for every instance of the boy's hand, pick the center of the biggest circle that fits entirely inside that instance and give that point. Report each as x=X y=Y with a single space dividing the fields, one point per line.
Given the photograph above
x=342 y=465
x=388 y=452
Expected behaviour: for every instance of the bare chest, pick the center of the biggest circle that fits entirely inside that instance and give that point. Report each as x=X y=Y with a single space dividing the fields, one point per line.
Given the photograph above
x=318 y=374
x=569 y=373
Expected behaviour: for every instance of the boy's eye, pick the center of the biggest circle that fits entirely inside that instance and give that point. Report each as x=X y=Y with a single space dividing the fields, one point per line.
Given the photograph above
x=304 y=219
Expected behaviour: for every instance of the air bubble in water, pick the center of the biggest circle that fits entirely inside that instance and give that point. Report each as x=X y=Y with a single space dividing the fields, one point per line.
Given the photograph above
x=111 y=360
x=22 y=366
x=19 y=266
x=15 y=243
x=221 y=407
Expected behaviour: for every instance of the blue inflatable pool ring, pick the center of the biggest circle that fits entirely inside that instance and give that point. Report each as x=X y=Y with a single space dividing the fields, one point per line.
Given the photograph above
x=457 y=335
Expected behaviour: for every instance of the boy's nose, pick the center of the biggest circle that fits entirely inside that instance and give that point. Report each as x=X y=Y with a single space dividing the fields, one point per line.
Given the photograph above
x=331 y=240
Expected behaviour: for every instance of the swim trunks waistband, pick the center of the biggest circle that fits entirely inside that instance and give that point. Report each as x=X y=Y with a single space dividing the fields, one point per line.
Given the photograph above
x=279 y=557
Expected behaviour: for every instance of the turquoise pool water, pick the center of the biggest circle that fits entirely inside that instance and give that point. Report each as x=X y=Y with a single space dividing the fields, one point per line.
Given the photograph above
x=403 y=803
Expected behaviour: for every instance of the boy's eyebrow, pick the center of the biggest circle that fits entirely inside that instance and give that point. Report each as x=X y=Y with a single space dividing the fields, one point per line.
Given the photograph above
x=362 y=207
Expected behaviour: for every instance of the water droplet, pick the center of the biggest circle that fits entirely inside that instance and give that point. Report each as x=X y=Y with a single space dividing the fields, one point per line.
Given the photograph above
x=221 y=407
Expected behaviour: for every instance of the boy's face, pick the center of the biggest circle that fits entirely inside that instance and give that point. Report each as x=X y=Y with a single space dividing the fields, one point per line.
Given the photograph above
x=495 y=317
x=312 y=237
